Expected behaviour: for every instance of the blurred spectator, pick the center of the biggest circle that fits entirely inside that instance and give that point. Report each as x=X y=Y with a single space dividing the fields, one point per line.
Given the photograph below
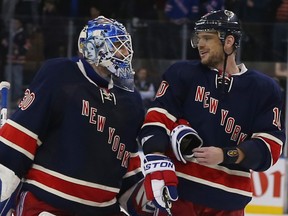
x=281 y=70
x=140 y=15
x=280 y=35
x=255 y=16
x=140 y=9
x=256 y=11
x=16 y=57
x=88 y=13
x=53 y=29
x=29 y=10
x=144 y=86
x=108 y=8
x=91 y=12
x=7 y=11
x=178 y=13
x=3 y=50
x=160 y=8
x=207 y=6
x=94 y=12
x=232 y=5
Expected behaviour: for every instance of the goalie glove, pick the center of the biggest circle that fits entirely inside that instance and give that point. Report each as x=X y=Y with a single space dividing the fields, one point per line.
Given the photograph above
x=183 y=140
x=160 y=180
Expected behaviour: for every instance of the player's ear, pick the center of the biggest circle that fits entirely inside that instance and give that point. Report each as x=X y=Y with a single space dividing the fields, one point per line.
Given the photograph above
x=229 y=43
x=230 y=40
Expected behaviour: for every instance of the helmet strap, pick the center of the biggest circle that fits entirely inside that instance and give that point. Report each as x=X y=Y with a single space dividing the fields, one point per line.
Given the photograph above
x=224 y=71
x=225 y=79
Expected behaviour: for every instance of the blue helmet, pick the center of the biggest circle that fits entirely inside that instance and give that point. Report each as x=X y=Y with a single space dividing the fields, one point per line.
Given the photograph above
x=223 y=21
x=101 y=41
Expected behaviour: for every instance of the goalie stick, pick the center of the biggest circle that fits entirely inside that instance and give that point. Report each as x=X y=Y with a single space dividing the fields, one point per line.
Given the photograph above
x=5 y=206
x=4 y=87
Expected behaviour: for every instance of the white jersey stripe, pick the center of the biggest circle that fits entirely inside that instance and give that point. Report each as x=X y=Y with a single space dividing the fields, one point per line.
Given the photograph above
x=212 y=184
x=76 y=181
x=69 y=197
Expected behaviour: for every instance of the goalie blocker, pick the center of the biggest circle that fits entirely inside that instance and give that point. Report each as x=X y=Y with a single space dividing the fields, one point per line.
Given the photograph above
x=183 y=140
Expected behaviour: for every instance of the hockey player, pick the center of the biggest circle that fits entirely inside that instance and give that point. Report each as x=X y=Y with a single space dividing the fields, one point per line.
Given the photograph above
x=72 y=141
x=211 y=123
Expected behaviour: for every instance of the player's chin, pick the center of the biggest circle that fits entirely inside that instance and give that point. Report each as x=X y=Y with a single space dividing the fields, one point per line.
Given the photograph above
x=204 y=61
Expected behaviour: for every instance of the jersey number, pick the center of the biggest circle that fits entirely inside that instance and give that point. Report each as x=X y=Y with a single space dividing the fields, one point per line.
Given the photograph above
x=276 y=120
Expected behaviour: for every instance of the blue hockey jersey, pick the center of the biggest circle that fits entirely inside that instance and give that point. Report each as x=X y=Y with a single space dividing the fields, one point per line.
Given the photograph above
x=247 y=114
x=73 y=139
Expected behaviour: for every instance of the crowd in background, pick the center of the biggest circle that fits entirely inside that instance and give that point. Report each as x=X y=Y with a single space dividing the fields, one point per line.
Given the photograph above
x=50 y=17
x=159 y=27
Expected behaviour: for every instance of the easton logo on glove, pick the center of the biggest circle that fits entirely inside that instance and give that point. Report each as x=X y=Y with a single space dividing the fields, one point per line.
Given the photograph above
x=160 y=180
x=153 y=166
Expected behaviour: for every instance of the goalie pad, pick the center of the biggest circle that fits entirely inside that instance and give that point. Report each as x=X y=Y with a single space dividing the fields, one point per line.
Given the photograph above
x=8 y=182
x=183 y=140
x=135 y=203
x=9 y=188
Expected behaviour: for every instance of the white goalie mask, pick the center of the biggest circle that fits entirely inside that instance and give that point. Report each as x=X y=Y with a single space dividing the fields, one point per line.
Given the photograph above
x=106 y=42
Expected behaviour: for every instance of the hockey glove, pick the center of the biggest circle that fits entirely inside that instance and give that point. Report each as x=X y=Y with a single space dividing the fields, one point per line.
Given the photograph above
x=183 y=140
x=160 y=180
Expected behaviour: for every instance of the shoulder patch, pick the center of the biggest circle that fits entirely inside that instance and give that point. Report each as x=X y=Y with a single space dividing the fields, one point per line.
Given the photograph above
x=27 y=100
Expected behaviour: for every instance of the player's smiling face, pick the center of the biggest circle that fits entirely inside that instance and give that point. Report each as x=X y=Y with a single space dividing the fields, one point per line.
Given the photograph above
x=210 y=49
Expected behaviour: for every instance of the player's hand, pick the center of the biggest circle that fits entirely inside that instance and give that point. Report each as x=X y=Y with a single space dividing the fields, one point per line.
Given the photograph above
x=208 y=155
x=160 y=180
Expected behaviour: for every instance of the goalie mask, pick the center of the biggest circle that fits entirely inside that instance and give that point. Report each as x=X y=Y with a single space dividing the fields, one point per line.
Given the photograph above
x=106 y=42
x=223 y=21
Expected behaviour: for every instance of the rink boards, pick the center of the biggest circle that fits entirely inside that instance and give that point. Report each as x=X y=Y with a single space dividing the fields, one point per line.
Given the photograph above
x=270 y=190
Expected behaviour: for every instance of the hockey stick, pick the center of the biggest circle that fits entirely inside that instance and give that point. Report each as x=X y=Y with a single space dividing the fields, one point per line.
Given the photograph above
x=167 y=201
x=4 y=87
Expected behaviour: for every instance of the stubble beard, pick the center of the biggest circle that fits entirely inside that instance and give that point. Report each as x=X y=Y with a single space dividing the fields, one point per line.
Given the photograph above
x=213 y=60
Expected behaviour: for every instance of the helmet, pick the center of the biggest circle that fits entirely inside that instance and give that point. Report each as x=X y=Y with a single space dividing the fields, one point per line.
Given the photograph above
x=223 y=21
x=101 y=41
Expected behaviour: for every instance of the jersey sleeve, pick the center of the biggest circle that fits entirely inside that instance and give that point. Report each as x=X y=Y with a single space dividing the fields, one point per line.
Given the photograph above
x=265 y=146
x=21 y=135
x=164 y=112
